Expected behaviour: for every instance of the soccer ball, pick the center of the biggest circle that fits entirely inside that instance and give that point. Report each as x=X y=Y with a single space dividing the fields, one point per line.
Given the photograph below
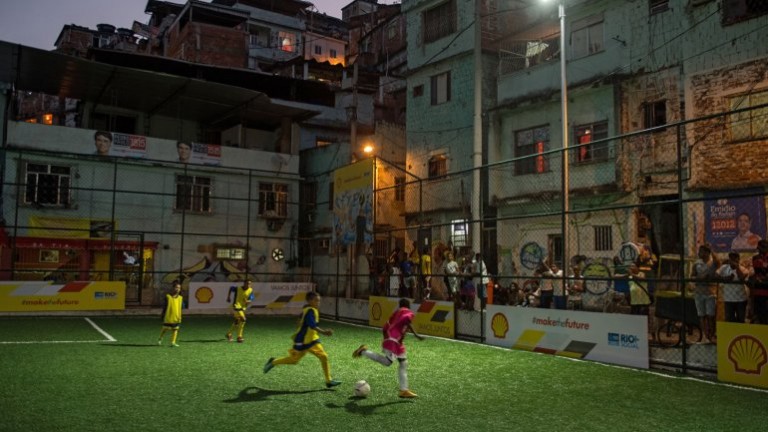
x=362 y=388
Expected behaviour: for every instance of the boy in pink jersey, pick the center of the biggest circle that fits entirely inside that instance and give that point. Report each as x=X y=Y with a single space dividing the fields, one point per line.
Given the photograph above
x=394 y=333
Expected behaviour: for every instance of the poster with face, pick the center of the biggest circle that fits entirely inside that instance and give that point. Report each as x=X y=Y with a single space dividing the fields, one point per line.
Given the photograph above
x=735 y=224
x=198 y=153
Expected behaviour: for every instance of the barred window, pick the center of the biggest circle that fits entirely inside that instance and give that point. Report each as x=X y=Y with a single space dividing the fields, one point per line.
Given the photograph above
x=273 y=198
x=459 y=232
x=440 y=21
x=532 y=142
x=193 y=193
x=603 y=238
x=48 y=185
x=585 y=134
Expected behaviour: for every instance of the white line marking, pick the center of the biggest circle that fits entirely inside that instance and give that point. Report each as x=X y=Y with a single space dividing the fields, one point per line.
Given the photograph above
x=53 y=342
x=100 y=330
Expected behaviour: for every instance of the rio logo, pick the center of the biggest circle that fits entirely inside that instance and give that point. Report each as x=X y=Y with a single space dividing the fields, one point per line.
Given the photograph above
x=624 y=340
x=105 y=295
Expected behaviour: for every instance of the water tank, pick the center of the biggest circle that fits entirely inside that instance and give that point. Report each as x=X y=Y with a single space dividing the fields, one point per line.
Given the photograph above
x=105 y=28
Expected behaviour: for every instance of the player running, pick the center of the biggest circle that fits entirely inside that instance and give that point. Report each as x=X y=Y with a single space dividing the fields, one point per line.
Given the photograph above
x=394 y=333
x=305 y=339
x=243 y=297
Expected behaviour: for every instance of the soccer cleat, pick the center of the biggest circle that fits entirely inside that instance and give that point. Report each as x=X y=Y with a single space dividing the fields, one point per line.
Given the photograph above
x=239 y=339
x=159 y=341
x=358 y=352
x=228 y=336
x=407 y=394
x=174 y=345
x=332 y=383
x=268 y=366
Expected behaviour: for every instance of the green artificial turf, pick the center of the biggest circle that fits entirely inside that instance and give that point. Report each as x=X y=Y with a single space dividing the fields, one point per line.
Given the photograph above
x=208 y=384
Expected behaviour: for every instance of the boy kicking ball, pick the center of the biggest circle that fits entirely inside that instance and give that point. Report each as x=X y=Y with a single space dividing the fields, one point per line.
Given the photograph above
x=394 y=333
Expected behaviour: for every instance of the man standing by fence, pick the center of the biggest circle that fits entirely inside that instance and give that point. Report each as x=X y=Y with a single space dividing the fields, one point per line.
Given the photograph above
x=759 y=284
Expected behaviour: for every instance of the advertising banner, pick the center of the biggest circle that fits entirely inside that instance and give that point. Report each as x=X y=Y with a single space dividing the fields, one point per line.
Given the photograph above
x=204 y=154
x=269 y=298
x=125 y=145
x=434 y=318
x=742 y=353
x=353 y=204
x=38 y=296
x=609 y=338
x=734 y=224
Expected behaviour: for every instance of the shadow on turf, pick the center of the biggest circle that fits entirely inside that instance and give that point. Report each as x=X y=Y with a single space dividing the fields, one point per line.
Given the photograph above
x=256 y=394
x=353 y=407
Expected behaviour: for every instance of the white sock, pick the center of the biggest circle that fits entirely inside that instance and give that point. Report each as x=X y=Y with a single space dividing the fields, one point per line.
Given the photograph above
x=402 y=373
x=378 y=358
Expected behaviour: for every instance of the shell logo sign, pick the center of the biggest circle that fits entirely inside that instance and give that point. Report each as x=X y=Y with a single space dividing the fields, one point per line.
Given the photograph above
x=499 y=325
x=747 y=354
x=742 y=354
x=204 y=294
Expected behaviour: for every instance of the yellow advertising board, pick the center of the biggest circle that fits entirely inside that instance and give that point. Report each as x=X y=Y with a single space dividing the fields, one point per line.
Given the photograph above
x=434 y=318
x=742 y=353
x=44 y=296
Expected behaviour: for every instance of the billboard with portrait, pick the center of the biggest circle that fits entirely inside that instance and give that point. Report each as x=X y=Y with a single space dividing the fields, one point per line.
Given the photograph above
x=734 y=224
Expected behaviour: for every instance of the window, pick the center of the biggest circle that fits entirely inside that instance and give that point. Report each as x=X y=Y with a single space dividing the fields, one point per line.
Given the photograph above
x=231 y=253
x=322 y=142
x=656 y=6
x=193 y=193
x=318 y=50
x=253 y=39
x=603 y=238
x=287 y=41
x=532 y=142
x=459 y=232
x=418 y=91
x=273 y=199
x=308 y=196
x=752 y=124
x=655 y=113
x=400 y=189
x=48 y=185
x=333 y=53
x=587 y=37
x=740 y=10
x=440 y=21
x=440 y=86
x=438 y=166
x=585 y=134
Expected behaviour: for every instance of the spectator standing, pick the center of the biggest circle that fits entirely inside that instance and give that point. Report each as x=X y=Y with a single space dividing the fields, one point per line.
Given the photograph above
x=452 y=275
x=705 y=289
x=409 y=278
x=426 y=272
x=395 y=278
x=759 y=285
x=735 y=294
x=481 y=280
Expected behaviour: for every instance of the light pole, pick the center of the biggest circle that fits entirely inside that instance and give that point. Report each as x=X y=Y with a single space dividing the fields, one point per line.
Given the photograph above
x=565 y=161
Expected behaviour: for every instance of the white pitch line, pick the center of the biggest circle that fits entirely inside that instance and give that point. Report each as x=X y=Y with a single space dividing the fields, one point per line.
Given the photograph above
x=100 y=330
x=52 y=342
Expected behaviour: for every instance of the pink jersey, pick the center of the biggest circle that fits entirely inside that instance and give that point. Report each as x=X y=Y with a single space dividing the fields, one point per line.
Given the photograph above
x=394 y=331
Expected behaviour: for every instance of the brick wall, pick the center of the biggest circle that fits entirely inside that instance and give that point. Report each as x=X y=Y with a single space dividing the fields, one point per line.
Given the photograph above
x=207 y=44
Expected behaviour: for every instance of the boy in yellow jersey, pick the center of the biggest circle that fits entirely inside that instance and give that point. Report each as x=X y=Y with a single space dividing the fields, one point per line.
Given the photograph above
x=172 y=314
x=243 y=297
x=305 y=339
